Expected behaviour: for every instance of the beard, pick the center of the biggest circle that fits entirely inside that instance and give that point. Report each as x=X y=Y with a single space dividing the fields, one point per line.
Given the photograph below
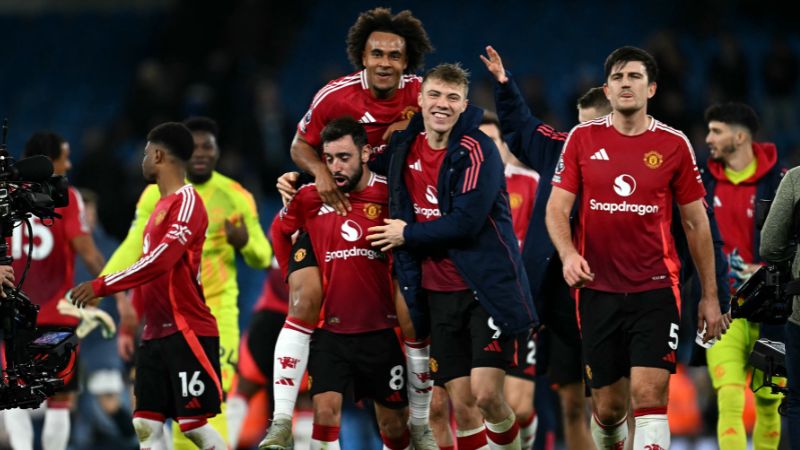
x=352 y=182
x=719 y=155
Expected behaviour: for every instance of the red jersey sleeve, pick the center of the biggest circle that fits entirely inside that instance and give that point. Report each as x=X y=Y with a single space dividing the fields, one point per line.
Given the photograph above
x=74 y=216
x=568 y=170
x=186 y=222
x=317 y=116
x=687 y=184
x=291 y=218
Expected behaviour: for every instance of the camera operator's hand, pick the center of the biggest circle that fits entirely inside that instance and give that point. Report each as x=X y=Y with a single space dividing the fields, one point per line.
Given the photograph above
x=83 y=295
x=7 y=278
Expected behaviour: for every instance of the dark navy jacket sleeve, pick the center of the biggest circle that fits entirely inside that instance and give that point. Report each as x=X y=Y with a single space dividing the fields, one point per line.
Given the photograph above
x=532 y=141
x=475 y=193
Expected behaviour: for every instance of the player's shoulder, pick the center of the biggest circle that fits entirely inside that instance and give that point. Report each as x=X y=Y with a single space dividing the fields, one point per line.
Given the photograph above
x=665 y=130
x=513 y=170
x=231 y=186
x=411 y=81
x=340 y=87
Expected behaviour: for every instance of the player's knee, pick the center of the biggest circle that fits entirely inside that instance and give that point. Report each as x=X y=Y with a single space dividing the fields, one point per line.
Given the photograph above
x=326 y=414
x=440 y=405
x=610 y=413
x=305 y=296
x=487 y=398
x=392 y=424
x=147 y=429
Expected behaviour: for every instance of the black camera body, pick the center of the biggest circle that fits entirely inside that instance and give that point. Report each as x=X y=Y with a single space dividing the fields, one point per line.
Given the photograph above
x=766 y=296
x=34 y=360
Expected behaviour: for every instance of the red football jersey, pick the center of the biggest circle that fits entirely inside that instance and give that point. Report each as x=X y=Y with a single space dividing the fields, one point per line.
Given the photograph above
x=52 y=260
x=626 y=186
x=521 y=184
x=356 y=278
x=439 y=273
x=168 y=273
x=350 y=96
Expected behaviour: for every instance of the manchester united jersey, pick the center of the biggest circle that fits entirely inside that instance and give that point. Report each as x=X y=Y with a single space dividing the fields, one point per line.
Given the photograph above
x=356 y=278
x=52 y=259
x=350 y=96
x=168 y=274
x=421 y=176
x=627 y=185
x=521 y=184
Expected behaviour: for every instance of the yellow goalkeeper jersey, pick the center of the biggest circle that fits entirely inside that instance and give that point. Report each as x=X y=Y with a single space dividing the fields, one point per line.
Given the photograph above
x=224 y=198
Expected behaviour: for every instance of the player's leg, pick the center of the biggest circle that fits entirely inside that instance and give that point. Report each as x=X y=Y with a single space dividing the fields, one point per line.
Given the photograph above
x=519 y=390
x=767 y=429
x=254 y=368
x=451 y=363
x=152 y=396
x=193 y=368
x=727 y=362
x=419 y=382
x=292 y=347
x=19 y=420
x=330 y=372
x=573 y=414
x=440 y=418
x=56 y=428
x=652 y=323
x=493 y=352
x=226 y=313
x=607 y=366
x=393 y=428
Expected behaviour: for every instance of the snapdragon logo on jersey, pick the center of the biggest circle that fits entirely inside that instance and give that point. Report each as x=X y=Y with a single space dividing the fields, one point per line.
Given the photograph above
x=624 y=186
x=351 y=232
x=431 y=195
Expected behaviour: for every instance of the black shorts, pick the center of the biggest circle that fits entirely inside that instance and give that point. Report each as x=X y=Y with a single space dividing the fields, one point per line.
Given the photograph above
x=464 y=336
x=621 y=331
x=561 y=354
x=526 y=358
x=302 y=254
x=177 y=379
x=371 y=364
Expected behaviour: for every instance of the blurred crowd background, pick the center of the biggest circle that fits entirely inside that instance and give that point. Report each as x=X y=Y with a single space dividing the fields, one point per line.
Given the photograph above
x=103 y=73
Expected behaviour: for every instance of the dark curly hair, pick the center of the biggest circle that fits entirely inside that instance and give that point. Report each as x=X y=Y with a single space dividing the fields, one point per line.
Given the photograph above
x=733 y=113
x=403 y=24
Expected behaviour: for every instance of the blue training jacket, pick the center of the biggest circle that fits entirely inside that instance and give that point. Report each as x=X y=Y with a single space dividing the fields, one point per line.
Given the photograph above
x=474 y=230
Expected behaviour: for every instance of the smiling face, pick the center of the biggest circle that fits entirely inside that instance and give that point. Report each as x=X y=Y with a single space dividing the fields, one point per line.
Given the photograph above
x=346 y=162
x=204 y=158
x=385 y=61
x=628 y=88
x=441 y=103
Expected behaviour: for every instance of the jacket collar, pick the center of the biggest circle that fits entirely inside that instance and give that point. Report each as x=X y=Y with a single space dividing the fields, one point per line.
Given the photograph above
x=470 y=120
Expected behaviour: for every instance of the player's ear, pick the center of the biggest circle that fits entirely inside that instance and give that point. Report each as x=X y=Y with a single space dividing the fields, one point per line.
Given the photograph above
x=366 y=152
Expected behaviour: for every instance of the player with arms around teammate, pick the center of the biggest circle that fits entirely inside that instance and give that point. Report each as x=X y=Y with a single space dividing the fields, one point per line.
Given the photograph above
x=50 y=276
x=627 y=167
x=453 y=244
x=386 y=49
x=177 y=364
x=356 y=345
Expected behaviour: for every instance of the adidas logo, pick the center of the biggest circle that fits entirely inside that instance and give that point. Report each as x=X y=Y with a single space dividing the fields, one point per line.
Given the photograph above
x=194 y=403
x=395 y=397
x=669 y=357
x=600 y=155
x=416 y=166
x=493 y=347
x=367 y=118
x=285 y=381
x=325 y=209
x=729 y=432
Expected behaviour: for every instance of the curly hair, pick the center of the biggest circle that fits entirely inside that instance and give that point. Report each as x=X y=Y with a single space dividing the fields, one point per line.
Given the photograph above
x=403 y=24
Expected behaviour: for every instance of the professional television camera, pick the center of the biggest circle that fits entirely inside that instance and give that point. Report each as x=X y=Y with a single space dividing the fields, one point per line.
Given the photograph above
x=33 y=359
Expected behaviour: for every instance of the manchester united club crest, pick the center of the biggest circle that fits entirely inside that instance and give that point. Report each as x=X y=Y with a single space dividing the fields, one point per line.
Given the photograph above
x=653 y=159
x=372 y=210
x=299 y=255
x=408 y=112
x=434 y=365
x=160 y=217
x=515 y=199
